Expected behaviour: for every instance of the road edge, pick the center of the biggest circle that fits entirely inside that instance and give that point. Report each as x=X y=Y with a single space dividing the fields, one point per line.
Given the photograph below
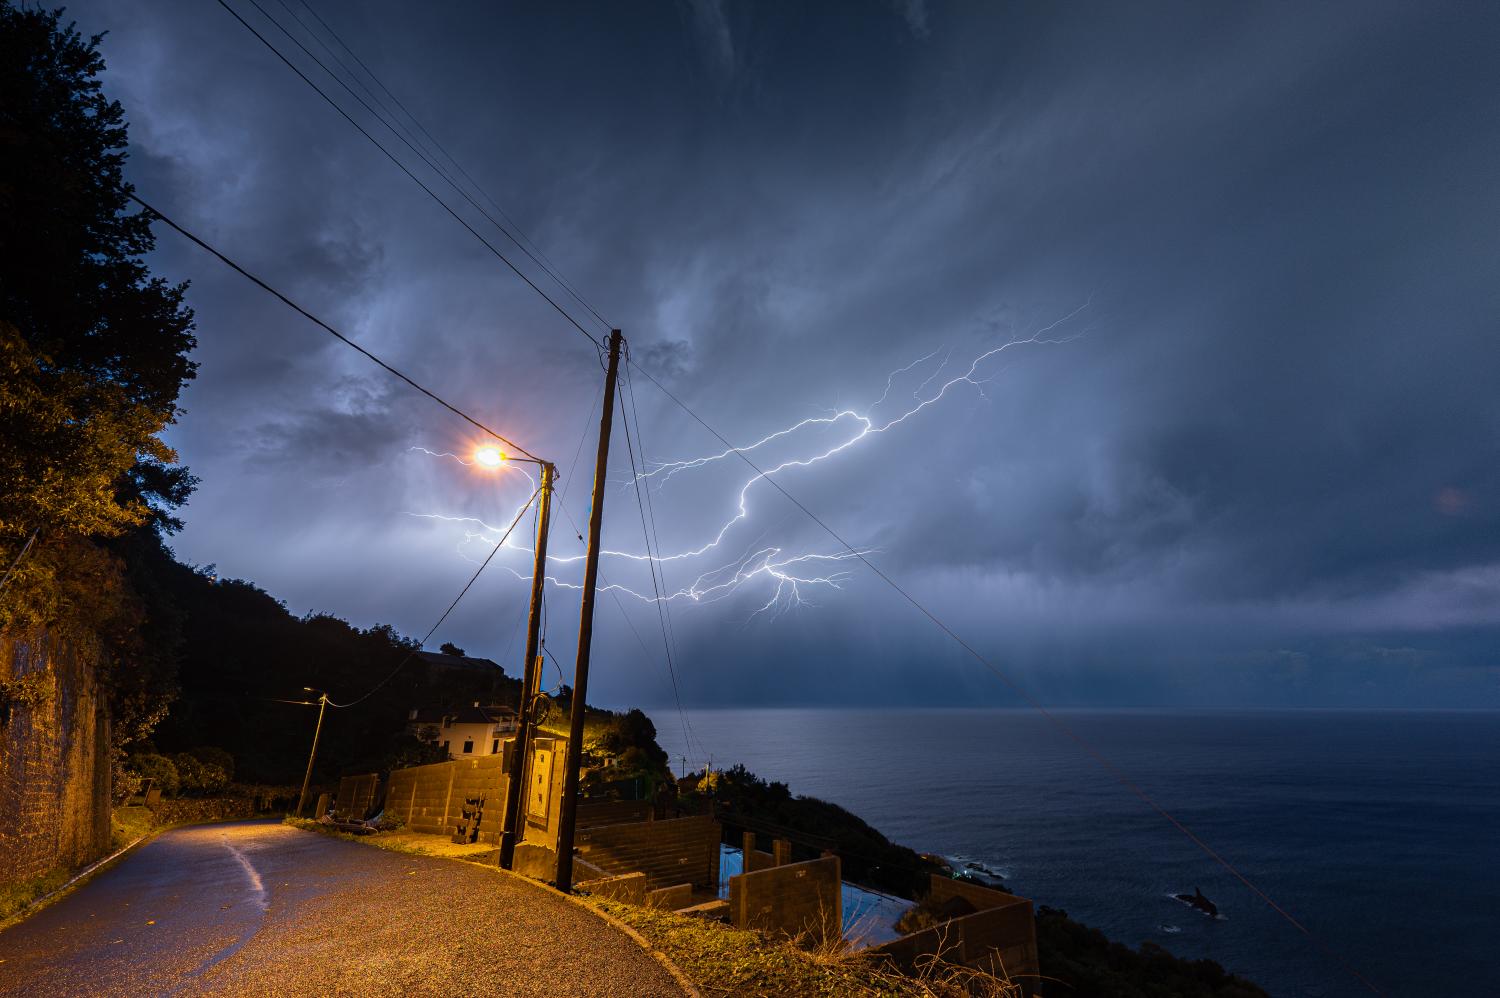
x=683 y=981
x=99 y=866
x=78 y=879
x=689 y=989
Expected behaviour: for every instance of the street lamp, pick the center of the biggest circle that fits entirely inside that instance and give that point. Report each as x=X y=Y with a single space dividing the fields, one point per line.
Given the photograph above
x=306 y=780
x=490 y=457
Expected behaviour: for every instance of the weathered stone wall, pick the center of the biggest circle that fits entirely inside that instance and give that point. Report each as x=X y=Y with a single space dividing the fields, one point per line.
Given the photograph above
x=195 y=810
x=54 y=761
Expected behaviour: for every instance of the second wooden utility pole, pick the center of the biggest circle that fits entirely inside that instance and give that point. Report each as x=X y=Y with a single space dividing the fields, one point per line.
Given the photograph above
x=313 y=755
x=569 y=811
x=532 y=679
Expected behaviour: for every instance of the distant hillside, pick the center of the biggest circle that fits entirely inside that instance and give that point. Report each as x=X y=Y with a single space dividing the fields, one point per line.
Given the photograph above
x=242 y=654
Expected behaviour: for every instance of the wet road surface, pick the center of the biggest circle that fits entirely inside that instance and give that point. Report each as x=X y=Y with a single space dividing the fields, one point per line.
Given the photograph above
x=258 y=908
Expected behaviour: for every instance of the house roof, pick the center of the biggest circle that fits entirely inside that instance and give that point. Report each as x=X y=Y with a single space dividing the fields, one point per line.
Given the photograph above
x=465 y=663
x=471 y=714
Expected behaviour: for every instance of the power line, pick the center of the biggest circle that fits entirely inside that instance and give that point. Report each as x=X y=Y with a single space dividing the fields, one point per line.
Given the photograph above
x=329 y=329
x=1119 y=775
x=461 y=593
x=515 y=233
x=392 y=157
x=664 y=613
x=651 y=560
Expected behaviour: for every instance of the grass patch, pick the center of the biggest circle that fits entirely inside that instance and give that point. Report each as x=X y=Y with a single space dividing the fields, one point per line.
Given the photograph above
x=724 y=961
x=126 y=824
x=411 y=843
x=18 y=896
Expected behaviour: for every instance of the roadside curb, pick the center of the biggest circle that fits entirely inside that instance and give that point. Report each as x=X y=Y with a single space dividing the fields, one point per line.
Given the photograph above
x=77 y=880
x=660 y=957
x=101 y=865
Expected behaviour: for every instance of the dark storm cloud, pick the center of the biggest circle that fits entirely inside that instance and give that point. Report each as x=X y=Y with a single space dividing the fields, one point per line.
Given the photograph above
x=1265 y=470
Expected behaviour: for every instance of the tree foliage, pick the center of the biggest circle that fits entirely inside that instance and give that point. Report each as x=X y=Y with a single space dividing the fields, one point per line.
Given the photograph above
x=868 y=857
x=93 y=355
x=1086 y=961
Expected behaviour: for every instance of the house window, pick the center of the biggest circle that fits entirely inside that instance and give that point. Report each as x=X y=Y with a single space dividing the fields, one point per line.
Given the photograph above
x=445 y=746
x=468 y=746
x=495 y=748
x=447 y=722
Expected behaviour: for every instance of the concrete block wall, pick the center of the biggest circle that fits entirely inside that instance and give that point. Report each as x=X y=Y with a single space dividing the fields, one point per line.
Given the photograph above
x=421 y=795
x=55 y=766
x=627 y=887
x=797 y=899
x=1000 y=937
x=676 y=851
x=356 y=795
x=670 y=898
x=431 y=798
x=612 y=812
x=1002 y=931
x=752 y=858
x=485 y=778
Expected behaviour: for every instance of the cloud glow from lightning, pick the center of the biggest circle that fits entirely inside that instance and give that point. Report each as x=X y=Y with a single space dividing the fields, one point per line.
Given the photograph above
x=788 y=575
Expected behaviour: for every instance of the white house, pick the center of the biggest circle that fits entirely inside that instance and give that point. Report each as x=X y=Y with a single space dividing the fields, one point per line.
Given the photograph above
x=465 y=732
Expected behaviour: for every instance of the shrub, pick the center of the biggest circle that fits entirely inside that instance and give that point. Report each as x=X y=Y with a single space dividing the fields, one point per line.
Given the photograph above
x=198 y=778
x=211 y=755
x=161 y=771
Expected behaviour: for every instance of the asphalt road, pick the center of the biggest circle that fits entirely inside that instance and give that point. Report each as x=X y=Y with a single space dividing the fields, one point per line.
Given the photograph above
x=257 y=908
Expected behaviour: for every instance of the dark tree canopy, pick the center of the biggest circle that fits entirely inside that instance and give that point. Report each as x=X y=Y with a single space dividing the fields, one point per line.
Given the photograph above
x=93 y=355
x=95 y=348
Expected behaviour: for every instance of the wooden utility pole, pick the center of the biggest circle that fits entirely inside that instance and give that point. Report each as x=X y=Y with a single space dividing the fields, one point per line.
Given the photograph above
x=569 y=810
x=532 y=680
x=306 y=780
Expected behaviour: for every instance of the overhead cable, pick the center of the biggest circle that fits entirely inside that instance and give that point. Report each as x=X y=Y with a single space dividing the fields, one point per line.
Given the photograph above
x=439 y=623
x=1119 y=775
x=400 y=165
x=330 y=330
x=514 y=232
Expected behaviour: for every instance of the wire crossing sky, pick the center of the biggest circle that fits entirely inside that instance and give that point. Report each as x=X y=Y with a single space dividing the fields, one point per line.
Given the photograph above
x=1262 y=469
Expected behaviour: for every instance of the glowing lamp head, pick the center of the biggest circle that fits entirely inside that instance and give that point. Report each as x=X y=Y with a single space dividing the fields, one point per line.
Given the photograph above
x=490 y=457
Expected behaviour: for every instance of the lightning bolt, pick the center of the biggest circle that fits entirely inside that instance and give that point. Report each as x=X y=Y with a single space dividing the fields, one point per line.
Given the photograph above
x=787 y=575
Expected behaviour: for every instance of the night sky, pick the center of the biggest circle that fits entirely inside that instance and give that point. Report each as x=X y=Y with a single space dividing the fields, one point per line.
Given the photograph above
x=1250 y=458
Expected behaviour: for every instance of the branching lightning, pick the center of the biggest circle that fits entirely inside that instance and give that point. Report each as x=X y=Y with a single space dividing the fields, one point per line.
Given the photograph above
x=787 y=575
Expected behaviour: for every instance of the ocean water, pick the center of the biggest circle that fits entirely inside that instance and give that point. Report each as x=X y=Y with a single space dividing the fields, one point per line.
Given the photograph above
x=1378 y=831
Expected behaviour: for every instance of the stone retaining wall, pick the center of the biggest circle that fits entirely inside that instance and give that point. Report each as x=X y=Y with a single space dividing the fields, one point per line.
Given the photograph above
x=55 y=772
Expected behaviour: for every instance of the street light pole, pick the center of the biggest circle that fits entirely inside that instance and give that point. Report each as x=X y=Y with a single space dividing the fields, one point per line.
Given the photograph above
x=312 y=756
x=569 y=809
x=531 y=682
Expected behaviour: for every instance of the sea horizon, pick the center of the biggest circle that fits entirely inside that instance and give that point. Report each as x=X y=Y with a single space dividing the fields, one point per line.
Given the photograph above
x=1331 y=811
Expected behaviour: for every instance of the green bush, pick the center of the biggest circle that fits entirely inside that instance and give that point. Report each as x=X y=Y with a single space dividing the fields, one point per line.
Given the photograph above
x=211 y=755
x=161 y=771
x=198 y=778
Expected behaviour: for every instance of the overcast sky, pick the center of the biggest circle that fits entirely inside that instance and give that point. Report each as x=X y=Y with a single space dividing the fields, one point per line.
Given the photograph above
x=1249 y=455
